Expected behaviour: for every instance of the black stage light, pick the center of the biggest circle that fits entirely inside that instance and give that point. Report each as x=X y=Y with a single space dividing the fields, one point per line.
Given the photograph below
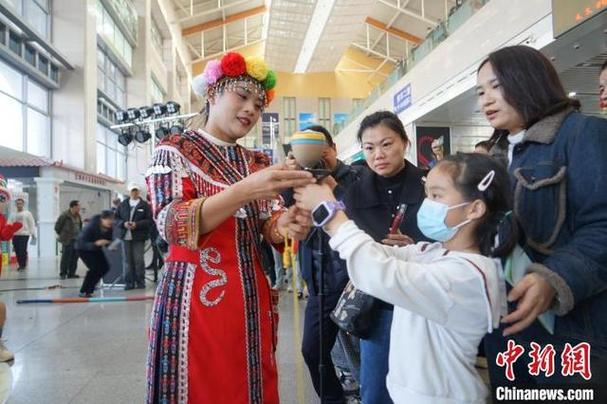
x=142 y=136
x=125 y=138
x=173 y=107
x=159 y=109
x=132 y=113
x=120 y=116
x=176 y=129
x=146 y=112
x=161 y=132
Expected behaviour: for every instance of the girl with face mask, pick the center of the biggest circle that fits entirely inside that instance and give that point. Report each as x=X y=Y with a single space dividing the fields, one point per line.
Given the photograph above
x=446 y=294
x=373 y=203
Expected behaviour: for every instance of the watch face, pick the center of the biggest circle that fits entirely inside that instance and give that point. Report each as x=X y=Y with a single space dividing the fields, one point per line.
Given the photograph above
x=320 y=214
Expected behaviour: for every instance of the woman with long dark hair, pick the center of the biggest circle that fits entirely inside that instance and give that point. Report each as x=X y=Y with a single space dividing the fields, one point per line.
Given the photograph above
x=558 y=164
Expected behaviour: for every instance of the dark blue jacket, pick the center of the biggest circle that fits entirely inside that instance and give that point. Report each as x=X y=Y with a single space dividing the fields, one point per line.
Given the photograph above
x=335 y=274
x=559 y=173
x=91 y=233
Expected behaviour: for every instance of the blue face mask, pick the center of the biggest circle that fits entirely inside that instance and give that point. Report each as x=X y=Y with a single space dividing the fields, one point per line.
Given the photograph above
x=431 y=220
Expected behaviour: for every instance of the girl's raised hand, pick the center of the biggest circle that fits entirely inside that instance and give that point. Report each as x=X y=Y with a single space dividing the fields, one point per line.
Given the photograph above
x=312 y=195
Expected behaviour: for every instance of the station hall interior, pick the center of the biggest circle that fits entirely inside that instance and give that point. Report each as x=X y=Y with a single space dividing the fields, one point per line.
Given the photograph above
x=88 y=88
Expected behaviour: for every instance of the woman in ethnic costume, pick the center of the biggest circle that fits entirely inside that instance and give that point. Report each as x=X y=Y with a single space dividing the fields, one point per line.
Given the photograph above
x=214 y=319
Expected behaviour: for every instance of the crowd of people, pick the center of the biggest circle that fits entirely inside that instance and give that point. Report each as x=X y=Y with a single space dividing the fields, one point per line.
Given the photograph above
x=499 y=248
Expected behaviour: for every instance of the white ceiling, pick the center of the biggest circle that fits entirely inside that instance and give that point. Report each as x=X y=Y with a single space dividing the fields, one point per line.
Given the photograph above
x=288 y=24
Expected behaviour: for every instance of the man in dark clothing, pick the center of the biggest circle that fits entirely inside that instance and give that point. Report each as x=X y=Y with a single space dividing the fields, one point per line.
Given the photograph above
x=67 y=227
x=335 y=279
x=133 y=224
x=96 y=235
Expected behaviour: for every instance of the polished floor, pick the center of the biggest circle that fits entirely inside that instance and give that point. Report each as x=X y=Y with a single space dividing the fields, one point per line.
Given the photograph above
x=95 y=352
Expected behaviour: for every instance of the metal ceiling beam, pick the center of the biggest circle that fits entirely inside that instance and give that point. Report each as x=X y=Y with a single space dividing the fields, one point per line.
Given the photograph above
x=221 y=22
x=376 y=53
x=421 y=17
x=215 y=55
x=192 y=16
x=394 y=31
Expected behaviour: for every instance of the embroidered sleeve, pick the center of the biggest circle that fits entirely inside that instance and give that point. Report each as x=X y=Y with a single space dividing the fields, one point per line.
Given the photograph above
x=175 y=202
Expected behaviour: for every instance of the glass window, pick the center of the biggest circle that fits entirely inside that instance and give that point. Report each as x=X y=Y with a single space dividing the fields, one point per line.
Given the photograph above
x=108 y=25
x=55 y=73
x=120 y=98
x=11 y=114
x=100 y=158
x=14 y=43
x=111 y=163
x=100 y=59
x=37 y=96
x=43 y=64
x=38 y=133
x=11 y=81
x=121 y=166
x=36 y=17
x=157 y=93
x=100 y=133
x=156 y=37
x=113 y=36
x=30 y=55
x=128 y=55
x=17 y=5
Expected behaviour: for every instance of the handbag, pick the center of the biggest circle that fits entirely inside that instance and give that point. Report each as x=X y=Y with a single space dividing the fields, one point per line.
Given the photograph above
x=353 y=311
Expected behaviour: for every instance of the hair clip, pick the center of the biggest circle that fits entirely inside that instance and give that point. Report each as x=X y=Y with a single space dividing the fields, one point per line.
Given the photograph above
x=485 y=182
x=423 y=180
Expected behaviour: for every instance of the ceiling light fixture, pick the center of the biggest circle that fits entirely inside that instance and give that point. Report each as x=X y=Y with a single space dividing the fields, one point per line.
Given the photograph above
x=319 y=19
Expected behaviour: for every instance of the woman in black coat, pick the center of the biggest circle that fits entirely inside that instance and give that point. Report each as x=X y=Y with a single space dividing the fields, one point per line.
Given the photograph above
x=95 y=235
x=372 y=202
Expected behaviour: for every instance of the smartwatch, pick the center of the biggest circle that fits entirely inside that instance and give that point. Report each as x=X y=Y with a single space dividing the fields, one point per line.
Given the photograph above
x=325 y=211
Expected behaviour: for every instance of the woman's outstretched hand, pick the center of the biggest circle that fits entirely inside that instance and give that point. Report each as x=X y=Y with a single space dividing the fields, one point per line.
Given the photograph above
x=269 y=182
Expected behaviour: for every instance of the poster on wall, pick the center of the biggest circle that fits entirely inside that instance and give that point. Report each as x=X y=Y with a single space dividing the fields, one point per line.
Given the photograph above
x=433 y=144
x=339 y=120
x=270 y=129
x=307 y=119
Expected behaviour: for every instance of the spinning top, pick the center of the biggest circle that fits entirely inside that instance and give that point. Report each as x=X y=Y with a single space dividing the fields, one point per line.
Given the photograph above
x=307 y=147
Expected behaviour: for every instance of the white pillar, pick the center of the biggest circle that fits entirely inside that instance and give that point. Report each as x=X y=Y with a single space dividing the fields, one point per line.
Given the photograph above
x=48 y=212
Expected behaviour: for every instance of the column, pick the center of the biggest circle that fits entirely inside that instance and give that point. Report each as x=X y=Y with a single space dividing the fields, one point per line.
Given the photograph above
x=74 y=118
x=48 y=212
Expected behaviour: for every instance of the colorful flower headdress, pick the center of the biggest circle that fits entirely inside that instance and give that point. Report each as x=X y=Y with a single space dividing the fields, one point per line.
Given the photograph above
x=224 y=74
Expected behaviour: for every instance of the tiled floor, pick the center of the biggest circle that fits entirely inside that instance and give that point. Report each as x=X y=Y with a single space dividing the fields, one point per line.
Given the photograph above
x=96 y=352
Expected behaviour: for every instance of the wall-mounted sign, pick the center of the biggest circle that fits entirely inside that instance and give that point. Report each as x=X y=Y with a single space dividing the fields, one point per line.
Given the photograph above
x=567 y=14
x=402 y=99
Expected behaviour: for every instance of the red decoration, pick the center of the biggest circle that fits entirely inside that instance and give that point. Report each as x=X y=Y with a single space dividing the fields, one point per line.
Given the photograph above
x=270 y=96
x=233 y=64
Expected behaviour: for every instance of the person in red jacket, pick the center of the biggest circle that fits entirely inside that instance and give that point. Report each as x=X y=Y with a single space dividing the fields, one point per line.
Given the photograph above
x=6 y=233
x=7 y=230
